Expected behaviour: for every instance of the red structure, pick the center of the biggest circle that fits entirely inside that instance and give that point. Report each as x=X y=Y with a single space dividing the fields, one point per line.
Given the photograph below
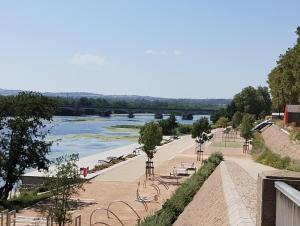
x=292 y=114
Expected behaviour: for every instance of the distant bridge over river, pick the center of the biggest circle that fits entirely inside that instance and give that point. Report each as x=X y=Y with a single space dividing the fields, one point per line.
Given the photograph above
x=158 y=112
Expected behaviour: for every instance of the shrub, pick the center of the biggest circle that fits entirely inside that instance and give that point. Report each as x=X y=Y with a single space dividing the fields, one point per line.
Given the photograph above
x=184 y=194
x=272 y=159
x=185 y=129
x=25 y=199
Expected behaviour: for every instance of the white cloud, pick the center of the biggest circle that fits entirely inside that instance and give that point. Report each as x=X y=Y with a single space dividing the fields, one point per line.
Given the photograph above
x=156 y=52
x=87 y=59
x=175 y=52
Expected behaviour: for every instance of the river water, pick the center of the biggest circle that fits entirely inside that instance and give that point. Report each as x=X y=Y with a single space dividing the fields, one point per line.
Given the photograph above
x=87 y=135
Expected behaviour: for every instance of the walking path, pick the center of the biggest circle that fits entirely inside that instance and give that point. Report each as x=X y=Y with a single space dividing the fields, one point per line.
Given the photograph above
x=132 y=170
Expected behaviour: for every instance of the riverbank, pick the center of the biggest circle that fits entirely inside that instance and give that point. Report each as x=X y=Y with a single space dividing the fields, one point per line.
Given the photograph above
x=92 y=160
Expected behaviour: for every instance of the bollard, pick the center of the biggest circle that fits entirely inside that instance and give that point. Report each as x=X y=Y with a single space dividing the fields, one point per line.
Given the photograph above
x=78 y=221
x=9 y=214
x=4 y=212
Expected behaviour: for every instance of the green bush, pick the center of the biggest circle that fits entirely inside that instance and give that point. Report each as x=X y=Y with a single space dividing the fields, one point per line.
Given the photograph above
x=184 y=194
x=272 y=159
x=185 y=129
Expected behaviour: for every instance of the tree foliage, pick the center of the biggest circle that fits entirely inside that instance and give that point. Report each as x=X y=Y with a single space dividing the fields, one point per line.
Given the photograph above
x=237 y=119
x=253 y=101
x=168 y=125
x=222 y=122
x=76 y=105
x=284 y=79
x=150 y=136
x=64 y=182
x=246 y=126
x=201 y=130
x=227 y=112
x=22 y=136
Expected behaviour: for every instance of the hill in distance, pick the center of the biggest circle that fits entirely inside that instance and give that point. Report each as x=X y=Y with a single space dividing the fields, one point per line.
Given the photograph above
x=210 y=101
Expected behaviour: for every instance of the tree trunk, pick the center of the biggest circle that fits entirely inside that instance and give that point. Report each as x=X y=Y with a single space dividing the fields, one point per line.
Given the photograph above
x=4 y=191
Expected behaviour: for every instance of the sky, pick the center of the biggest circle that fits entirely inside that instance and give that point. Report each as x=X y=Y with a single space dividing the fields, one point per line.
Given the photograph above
x=170 y=48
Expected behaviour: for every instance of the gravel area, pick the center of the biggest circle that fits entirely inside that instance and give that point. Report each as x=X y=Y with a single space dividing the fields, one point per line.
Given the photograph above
x=245 y=185
x=208 y=207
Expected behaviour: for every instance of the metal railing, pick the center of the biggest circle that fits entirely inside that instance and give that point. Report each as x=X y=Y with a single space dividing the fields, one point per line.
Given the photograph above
x=287 y=205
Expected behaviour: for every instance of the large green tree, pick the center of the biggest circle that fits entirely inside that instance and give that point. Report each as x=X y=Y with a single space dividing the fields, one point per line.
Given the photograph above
x=22 y=136
x=284 y=79
x=253 y=101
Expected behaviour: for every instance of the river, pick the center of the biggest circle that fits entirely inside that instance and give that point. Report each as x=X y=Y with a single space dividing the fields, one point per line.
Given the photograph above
x=87 y=135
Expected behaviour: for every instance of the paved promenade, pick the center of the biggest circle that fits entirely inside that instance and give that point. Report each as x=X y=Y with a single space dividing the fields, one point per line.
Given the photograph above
x=132 y=170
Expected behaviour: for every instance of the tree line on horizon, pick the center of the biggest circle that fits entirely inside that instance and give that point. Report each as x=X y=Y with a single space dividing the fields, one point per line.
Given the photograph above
x=75 y=106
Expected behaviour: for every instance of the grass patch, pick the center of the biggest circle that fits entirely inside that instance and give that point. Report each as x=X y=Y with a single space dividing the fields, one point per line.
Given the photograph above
x=295 y=134
x=279 y=123
x=100 y=137
x=124 y=128
x=184 y=194
x=264 y=155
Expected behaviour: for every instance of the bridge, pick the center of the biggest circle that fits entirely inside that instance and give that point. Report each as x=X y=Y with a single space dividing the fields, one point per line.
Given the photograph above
x=158 y=112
